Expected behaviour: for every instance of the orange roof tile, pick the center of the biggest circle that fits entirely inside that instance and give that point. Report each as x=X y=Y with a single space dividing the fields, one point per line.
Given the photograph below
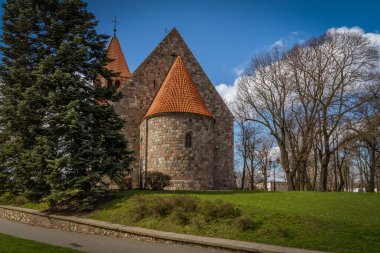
x=119 y=64
x=178 y=93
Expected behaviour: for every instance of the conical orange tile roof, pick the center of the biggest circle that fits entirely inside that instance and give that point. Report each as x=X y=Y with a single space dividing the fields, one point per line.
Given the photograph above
x=119 y=64
x=178 y=93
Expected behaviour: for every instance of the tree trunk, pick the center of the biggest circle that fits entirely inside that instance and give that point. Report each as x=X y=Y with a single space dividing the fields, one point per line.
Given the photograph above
x=252 y=175
x=324 y=164
x=243 y=176
x=324 y=175
x=335 y=171
x=372 y=171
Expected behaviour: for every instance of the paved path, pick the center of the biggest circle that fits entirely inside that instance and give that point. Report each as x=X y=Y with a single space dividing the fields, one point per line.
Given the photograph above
x=93 y=243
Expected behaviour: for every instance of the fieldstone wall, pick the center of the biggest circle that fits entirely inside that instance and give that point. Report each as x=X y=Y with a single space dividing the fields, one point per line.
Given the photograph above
x=139 y=91
x=191 y=168
x=74 y=224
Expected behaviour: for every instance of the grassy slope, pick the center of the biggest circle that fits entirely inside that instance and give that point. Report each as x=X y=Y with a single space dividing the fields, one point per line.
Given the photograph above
x=11 y=244
x=340 y=222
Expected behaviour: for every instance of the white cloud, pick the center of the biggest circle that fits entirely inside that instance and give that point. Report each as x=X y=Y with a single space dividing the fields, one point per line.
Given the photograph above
x=287 y=40
x=373 y=37
x=345 y=29
x=239 y=69
x=227 y=91
x=279 y=43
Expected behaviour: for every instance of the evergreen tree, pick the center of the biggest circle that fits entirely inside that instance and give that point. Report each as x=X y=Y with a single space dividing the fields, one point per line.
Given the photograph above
x=80 y=143
x=22 y=109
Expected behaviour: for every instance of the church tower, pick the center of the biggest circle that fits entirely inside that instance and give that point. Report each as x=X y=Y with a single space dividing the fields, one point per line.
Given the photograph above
x=178 y=133
x=118 y=64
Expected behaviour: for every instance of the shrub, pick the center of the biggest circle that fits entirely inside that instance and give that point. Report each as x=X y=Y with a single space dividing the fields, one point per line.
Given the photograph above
x=184 y=210
x=139 y=212
x=160 y=208
x=6 y=198
x=183 y=218
x=218 y=209
x=198 y=222
x=139 y=208
x=157 y=180
x=244 y=223
x=184 y=203
x=19 y=201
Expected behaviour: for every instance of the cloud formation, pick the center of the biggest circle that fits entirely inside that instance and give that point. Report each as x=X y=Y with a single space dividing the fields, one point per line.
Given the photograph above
x=279 y=43
x=228 y=91
x=373 y=37
x=239 y=69
x=289 y=39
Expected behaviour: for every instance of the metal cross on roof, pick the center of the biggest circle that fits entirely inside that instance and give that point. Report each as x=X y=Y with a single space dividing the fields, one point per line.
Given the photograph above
x=114 y=21
x=166 y=30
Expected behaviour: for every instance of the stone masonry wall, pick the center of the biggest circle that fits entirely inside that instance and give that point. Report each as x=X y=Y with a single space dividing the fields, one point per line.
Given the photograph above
x=191 y=168
x=142 y=87
x=74 y=224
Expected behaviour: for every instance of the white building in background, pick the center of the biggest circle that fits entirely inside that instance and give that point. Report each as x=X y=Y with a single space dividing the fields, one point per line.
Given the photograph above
x=277 y=186
x=273 y=186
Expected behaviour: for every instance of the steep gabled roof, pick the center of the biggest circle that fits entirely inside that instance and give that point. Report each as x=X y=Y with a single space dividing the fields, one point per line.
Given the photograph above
x=178 y=93
x=160 y=60
x=119 y=64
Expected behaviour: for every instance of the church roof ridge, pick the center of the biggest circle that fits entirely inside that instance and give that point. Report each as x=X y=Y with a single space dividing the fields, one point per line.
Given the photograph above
x=173 y=33
x=178 y=94
x=115 y=53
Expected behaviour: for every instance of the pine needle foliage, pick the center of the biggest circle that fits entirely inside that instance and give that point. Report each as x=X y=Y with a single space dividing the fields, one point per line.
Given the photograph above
x=60 y=136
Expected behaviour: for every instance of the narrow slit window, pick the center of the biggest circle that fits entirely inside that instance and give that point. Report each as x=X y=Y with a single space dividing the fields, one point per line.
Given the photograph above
x=188 y=140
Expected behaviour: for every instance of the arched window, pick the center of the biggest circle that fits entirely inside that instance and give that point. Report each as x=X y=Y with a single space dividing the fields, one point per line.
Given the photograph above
x=117 y=84
x=188 y=140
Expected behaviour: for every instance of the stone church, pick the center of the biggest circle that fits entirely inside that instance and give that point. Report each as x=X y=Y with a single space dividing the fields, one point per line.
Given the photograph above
x=175 y=120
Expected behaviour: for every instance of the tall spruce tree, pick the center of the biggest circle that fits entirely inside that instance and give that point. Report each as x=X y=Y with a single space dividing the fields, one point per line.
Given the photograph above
x=80 y=143
x=22 y=110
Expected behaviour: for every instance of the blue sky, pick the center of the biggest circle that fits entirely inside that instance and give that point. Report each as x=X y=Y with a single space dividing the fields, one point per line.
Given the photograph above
x=223 y=34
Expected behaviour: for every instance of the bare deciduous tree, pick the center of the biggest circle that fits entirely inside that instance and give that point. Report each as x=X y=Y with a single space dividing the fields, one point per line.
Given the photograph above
x=308 y=99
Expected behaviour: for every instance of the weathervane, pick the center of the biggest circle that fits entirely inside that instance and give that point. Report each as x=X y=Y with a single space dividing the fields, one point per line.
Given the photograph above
x=114 y=25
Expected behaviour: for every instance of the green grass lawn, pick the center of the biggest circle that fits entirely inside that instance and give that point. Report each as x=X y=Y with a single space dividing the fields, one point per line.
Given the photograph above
x=338 y=222
x=10 y=244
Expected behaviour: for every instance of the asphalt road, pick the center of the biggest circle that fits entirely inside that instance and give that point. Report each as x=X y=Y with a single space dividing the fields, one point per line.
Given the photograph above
x=93 y=243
